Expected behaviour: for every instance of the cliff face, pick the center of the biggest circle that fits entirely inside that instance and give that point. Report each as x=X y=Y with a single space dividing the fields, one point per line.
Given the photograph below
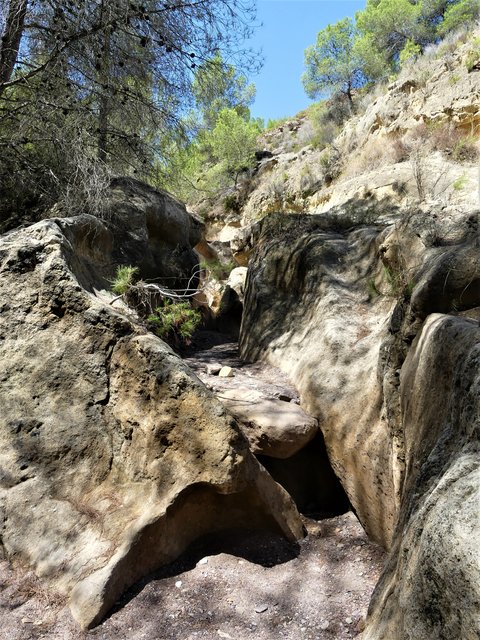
x=378 y=327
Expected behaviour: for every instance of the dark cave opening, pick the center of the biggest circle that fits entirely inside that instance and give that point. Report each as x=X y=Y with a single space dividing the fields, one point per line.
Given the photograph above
x=310 y=480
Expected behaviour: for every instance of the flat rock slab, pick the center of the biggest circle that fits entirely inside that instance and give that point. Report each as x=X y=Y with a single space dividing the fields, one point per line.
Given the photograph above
x=273 y=427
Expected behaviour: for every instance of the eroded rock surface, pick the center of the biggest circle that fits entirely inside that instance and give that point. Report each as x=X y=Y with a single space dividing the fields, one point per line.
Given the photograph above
x=431 y=585
x=308 y=311
x=114 y=456
x=337 y=305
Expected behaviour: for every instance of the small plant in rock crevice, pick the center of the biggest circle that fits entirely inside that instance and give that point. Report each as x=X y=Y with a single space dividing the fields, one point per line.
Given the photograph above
x=168 y=315
x=473 y=59
x=460 y=183
x=175 y=321
x=216 y=269
x=124 y=279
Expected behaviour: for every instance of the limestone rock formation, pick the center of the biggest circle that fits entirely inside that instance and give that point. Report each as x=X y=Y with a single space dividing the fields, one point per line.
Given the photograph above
x=114 y=456
x=336 y=302
x=273 y=427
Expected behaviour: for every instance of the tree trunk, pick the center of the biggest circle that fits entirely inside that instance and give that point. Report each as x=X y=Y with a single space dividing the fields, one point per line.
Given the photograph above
x=104 y=98
x=10 y=42
x=348 y=93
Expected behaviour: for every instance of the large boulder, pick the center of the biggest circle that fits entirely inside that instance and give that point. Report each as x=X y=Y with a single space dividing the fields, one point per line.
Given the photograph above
x=114 y=456
x=431 y=585
x=153 y=231
x=309 y=312
x=338 y=304
x=273 y=427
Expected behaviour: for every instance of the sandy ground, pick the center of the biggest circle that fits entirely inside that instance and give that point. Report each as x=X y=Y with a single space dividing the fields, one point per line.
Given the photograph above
x=237 y=585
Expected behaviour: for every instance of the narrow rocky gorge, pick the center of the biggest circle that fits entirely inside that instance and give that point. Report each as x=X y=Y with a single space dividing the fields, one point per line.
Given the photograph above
x=313 y=453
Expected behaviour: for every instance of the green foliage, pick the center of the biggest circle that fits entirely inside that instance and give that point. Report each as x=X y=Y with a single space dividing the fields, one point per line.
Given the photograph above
x=460 y=183
x=274 y=123
x=232 y=143
x=457 y=15
x=409 y=52
x=124 y=279
x=385 y=35
x=390 y=24
x=375 y=61
x=109 y=83
x=175 y=322
x=473 y=58
x=223 y=136
x=400 y=286
x=332 y=64
x=219 y=86
x=216 y=269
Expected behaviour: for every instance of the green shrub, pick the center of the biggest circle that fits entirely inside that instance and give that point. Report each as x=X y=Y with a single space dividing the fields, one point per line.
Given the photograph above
x=175 y=321
x=410 y=52
x=216 y=269
x=124 y=279
x=274 y=123
x=460 y=183
x=472 y=59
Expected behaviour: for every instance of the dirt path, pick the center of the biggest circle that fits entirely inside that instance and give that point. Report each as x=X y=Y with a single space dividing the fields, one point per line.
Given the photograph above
x=241 y=587
x=237 y=586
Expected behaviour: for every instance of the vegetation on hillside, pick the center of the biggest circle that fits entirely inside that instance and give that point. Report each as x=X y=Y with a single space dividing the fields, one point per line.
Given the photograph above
x=93 y=89
x=225 y=136
x=351 y=54
x=101 y=87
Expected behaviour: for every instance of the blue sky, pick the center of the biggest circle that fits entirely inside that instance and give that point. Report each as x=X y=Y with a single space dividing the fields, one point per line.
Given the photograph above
x=289 y=27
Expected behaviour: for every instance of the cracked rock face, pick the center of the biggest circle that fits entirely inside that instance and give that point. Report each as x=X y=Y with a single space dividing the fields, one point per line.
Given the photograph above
x=113 y=455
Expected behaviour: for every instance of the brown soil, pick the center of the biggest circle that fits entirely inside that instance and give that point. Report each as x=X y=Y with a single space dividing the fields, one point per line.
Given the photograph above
x=235 y=585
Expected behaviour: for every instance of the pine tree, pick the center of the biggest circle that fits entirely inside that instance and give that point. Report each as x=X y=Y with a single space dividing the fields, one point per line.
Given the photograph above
x=112 y=77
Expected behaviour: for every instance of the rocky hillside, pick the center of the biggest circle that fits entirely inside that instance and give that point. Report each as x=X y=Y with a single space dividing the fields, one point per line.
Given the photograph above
x=412 y=141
